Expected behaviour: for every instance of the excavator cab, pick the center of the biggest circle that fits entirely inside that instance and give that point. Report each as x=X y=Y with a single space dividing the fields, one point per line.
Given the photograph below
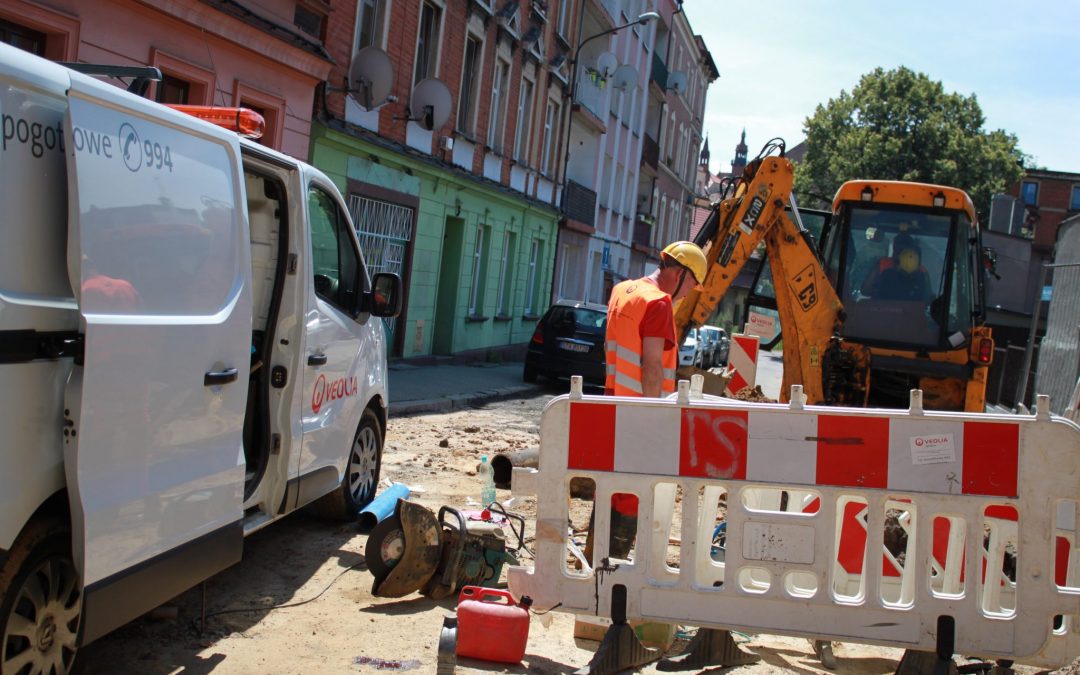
x=903 y=260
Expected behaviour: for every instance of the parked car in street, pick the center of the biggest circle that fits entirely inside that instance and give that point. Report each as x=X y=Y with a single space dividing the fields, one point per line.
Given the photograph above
x=709 y=344
x=568 y=340
x=719 y=345
x=691 y=351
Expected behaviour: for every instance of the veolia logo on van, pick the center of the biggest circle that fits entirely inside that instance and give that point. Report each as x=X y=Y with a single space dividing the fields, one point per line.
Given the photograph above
x=327 y=391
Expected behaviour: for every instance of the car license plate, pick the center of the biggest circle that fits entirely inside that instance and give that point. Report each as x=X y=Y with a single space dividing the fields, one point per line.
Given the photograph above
x=574 y=346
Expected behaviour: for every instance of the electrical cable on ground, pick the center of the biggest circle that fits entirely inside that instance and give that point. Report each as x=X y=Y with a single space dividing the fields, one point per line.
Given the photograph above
x=289 y=604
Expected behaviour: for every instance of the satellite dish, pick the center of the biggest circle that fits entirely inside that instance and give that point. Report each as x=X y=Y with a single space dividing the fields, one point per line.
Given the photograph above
x=430 y=103
x=676 y=81
x=370 y=77
x=606 y=63
x=625 y=76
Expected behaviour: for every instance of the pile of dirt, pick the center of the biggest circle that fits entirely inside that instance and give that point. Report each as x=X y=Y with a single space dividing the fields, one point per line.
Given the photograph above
x=753 y=395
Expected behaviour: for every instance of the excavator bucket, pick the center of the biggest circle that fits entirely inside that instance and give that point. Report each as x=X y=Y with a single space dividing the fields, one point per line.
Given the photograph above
x=714 y=382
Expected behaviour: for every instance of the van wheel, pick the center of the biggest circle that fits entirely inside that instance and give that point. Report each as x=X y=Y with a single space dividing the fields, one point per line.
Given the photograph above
x=41 y=602
x=361 y=473
x=529 y=374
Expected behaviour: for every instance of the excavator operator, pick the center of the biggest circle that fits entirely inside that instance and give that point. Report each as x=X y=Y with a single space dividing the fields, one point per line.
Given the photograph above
x=902 y=276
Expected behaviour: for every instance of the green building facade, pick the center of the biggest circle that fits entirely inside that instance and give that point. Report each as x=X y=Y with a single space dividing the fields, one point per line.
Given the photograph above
x=475 y=257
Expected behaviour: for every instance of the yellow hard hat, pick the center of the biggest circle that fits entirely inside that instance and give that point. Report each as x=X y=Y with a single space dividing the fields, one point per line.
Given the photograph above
x=689 y=255
x=909 y=260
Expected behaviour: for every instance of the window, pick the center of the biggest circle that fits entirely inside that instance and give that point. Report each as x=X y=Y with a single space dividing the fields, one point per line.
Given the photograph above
x=310 y=20
x=497 y=123
x=335 y=260
x=1029 y=193
x=532 y=283
x=506 y=273
x=427 y=42
x=551 y=119
x=907 y=307
x=182 y=82
x=524 y=122
x=565 y=9
x=173 y=90
x=1074 y=198
x=607 y=186
x=371 y=16
x=619 y=190
x=470 y=72
x=661 y=224
x=476 y=297
x=19 y=36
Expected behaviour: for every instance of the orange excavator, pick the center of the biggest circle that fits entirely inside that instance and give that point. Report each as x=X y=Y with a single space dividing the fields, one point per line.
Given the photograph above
x=891 y=300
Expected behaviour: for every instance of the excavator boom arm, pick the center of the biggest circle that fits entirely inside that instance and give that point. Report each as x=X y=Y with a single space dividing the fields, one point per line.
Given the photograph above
x=743 y=221
x=807 y=302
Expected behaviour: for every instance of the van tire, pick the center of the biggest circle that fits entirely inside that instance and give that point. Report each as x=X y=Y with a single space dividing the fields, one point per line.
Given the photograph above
x=40 y=555
x=361 y=473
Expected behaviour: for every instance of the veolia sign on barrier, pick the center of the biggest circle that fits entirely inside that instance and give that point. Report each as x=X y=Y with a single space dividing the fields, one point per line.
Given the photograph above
x=834 y=523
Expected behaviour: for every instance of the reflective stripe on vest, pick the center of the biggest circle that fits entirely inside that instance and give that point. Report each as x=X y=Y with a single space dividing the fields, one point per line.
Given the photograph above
x=626 y=311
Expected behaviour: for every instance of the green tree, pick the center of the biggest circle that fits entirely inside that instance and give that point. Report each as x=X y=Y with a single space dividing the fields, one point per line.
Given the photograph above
x=901 y=125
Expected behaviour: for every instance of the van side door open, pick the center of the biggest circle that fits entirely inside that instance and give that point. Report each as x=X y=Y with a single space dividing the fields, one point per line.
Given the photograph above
x=159 y=262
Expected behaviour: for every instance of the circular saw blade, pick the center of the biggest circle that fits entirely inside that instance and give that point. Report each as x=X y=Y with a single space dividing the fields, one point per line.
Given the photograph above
x=385 y=546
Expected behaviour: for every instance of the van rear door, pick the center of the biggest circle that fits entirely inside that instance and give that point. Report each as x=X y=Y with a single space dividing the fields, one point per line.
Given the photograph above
x=158 y=258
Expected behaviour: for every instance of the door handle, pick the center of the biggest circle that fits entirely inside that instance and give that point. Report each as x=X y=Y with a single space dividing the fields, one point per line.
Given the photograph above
x=316 y=360
x=214 y=378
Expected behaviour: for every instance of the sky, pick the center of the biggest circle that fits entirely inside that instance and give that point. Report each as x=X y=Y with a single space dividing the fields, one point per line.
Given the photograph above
x=779 y=60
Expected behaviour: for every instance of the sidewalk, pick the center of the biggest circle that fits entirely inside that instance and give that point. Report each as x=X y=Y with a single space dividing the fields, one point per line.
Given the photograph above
x=439 y=388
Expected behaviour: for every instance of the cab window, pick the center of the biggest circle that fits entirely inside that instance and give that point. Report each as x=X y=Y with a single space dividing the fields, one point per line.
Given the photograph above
x=893 y=275
x=335 y=260
x=961 y=303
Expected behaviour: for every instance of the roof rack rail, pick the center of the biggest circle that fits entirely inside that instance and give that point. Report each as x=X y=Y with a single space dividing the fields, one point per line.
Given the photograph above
x=143 y=75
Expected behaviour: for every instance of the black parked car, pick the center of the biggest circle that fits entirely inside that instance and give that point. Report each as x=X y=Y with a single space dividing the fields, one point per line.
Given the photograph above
x=568 y=340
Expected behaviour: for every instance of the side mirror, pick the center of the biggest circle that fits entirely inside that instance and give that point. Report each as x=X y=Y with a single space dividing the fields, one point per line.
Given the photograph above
x=385 y=297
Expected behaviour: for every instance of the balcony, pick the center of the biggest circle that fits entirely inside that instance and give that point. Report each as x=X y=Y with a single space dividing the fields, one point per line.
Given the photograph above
x=642 y=233
x=650 y=153
x=579 y=207
x=590 y=96
x=659 y=72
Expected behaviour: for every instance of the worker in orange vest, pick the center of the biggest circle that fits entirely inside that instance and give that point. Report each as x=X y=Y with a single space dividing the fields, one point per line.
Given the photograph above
x=642 y=353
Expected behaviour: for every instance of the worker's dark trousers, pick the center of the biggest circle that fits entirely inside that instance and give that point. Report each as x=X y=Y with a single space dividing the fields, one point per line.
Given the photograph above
x=623 y=531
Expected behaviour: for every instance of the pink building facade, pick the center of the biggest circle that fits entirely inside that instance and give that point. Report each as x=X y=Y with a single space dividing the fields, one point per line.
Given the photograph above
x=682 y=72
x=208 y=52
x=623 y=200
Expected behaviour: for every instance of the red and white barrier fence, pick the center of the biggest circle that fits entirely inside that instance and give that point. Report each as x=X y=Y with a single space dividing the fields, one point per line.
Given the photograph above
x=833 y=523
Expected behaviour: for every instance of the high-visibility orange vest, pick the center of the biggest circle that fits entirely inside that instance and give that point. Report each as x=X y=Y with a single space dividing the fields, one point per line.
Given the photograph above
x=626 y=311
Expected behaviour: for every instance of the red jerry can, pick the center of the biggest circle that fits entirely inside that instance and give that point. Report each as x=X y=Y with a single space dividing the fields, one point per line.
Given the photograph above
x=491 y=626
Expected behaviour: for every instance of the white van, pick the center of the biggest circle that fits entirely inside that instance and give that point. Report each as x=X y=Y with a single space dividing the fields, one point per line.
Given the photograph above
x=190 y=349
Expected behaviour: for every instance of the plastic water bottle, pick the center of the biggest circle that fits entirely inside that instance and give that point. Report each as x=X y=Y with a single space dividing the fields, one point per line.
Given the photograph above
x=487 y=482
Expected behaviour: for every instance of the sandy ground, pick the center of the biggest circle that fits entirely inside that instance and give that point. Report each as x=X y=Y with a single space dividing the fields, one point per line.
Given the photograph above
x=301 y=602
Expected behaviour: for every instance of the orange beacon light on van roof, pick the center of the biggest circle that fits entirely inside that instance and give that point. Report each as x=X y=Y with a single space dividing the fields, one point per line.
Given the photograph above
x=243 y=121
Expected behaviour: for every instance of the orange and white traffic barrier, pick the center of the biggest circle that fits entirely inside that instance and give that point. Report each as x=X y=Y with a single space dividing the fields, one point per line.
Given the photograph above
x=861 y=525
x=742 y=357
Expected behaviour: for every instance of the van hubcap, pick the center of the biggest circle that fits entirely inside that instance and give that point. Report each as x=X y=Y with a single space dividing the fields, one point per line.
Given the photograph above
x=42 y=627
x=362 y=462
